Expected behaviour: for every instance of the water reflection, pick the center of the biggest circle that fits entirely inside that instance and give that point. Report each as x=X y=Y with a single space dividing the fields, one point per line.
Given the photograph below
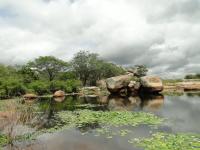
x=152 y=102
x=192 y=94
x=59 y=99
x=182 y=113
x=111 y=102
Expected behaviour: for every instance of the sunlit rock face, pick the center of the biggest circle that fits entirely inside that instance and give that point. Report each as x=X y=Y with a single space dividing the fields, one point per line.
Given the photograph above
x=30 y=96
x=115 y=84
x=59 y=94
x=93 y=90
x=151 y=84
x=134 y=87
x=126 y=85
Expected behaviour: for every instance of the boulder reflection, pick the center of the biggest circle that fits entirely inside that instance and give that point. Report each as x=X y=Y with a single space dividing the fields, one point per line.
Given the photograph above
x=118 y=103
x=59 y=99
x=135 y=103
x=152 y=102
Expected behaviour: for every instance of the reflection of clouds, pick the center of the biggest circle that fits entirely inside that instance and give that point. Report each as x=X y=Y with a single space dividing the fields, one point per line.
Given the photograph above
x=182 y=113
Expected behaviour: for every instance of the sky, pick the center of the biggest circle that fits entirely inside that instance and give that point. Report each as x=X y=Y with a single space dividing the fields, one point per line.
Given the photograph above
x=162 y=34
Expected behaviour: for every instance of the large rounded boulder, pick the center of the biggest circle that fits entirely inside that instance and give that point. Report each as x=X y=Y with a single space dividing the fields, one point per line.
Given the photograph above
x=59 y=94
x=116 y=84
x=151 y=84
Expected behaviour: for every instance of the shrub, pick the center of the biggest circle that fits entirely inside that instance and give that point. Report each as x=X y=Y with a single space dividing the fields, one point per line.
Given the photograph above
x=67 y=86
x=57 y=85
x=11 y=87
x=73 y=85
x=39 y=87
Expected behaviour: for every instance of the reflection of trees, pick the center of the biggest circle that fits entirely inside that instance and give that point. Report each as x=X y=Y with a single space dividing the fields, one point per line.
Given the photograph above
x=86 y=127
x=192 y=94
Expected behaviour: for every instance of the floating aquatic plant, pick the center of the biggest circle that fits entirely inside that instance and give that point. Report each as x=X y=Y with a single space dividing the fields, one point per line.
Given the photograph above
x=113 y=118
x=166 y=141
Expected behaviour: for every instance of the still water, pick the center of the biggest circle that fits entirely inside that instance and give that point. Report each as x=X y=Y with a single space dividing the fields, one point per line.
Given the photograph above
x=182 y=114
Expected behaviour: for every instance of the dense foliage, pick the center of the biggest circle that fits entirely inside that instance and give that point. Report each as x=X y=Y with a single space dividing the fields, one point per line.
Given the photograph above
x=89 y=68
x=46 y=74
x=192 y=76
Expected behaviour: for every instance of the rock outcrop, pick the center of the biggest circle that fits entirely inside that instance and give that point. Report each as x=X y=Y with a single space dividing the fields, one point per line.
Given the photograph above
x=118 y=83
x=151 y=84
x=126 y=84
x=59 y=94
x=101 y=84
x=30 y=96
x=134 y=86
x=93 y=90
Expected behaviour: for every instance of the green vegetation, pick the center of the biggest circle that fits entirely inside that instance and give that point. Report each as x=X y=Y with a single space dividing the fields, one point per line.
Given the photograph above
x=3 y=140
x=100 y=120
x=171 y=82
x=192 y=76
x=81 y=117
x=89 y=68
x=46 y=74
x=166 y=141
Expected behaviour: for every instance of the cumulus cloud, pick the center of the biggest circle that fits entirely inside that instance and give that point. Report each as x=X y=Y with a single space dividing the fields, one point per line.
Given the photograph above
x=164 y=35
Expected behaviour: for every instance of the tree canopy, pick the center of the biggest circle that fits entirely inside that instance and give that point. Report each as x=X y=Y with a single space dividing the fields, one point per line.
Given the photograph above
x=48 y=66
x=89 y=68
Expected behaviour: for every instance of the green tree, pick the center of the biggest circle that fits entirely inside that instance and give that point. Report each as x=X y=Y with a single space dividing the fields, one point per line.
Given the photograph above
x=89 y=68
x=28 y=74
x=140 y=70
x=48 y=66
x=84 y=64
x=192 y=76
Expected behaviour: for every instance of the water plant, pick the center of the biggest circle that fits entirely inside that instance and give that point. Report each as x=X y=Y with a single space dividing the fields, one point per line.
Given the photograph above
x=113 y=118
x=169 y=141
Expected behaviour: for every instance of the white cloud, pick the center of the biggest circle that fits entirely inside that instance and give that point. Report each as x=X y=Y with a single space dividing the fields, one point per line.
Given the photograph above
x=161 y=34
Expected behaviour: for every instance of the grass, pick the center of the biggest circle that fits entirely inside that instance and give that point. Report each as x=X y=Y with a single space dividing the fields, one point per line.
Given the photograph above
x=171 y=82
x=3 y=140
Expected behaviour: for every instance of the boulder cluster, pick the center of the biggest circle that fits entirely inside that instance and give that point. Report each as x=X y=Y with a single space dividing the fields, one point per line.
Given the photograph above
x=129 y=84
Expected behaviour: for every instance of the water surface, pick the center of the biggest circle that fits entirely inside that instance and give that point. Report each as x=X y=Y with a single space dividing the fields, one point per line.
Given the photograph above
x=181 y=113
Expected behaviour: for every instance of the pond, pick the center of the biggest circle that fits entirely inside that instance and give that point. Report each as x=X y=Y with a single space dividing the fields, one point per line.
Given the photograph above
x=179 y=113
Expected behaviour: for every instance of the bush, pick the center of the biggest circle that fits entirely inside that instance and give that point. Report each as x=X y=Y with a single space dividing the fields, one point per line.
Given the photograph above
x=73 y=85
x=43 y=87
x=67 y=86
x=192 y=76
x=39 y=87
x=57 y=85
x=11 y=87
